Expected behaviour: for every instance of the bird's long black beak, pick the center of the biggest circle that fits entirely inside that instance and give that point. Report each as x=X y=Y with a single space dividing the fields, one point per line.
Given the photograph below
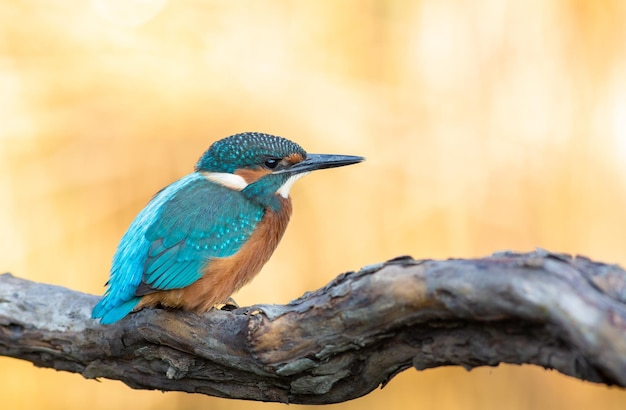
x=313 y=162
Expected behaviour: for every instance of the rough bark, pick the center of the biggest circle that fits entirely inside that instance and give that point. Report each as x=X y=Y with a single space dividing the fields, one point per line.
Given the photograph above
x=346 y=339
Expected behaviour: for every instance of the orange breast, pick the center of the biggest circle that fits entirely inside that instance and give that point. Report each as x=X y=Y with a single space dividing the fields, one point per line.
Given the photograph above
x=223 y=276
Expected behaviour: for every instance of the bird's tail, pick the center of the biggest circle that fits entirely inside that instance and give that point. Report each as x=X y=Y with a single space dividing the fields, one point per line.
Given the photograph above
x=110 y=314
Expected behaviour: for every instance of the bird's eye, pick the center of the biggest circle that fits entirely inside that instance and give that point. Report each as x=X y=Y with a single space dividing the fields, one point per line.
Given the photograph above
x=271 y=163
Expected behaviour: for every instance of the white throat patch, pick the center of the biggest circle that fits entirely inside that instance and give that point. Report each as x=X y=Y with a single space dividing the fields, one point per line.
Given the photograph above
x=237 y=182
x=286 y=187
x=226 y=179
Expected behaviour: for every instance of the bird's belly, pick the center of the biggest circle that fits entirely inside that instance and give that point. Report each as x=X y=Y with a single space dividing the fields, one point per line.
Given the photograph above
x=222 y=277
x=212 y=289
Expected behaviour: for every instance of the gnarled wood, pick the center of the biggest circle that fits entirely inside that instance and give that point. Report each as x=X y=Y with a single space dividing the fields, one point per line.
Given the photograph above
x=344 y=340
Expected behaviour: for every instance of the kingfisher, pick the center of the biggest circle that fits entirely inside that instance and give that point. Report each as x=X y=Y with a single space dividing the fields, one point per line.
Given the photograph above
x=203 y=237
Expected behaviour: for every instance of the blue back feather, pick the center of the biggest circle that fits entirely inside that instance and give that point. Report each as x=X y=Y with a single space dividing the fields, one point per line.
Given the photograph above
x=173 y=238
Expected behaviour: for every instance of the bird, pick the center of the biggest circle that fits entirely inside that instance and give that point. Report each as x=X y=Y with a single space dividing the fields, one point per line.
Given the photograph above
x=203 y=237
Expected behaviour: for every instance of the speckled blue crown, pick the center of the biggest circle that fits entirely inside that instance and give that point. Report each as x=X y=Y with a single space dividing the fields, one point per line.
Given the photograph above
x=245 y=150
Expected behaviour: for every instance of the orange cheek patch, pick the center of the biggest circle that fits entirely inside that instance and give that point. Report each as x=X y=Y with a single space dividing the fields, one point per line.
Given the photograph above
x=293 y=158
x=251 y=175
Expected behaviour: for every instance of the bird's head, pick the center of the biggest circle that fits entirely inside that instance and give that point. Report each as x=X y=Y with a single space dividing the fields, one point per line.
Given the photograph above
x=263 y=166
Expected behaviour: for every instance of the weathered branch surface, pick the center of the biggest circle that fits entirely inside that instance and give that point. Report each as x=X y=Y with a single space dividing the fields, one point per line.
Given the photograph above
x=344 y=340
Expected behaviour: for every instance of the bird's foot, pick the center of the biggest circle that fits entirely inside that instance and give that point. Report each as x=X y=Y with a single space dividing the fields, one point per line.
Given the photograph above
x=229 y=305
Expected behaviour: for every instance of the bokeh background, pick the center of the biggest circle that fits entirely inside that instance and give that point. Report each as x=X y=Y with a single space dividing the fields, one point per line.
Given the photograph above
x=487 y=125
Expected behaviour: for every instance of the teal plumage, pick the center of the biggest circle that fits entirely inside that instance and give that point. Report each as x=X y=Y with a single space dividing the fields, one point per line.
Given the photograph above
x=246 y=150
x=194 y=220
x=203 y=217
x=203 y=220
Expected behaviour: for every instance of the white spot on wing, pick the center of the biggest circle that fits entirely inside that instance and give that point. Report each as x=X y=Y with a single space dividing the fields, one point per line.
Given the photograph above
x=226 y=179
x=286 y=187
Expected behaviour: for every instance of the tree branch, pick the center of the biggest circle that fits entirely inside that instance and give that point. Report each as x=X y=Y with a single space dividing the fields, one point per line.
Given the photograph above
x=344 y=340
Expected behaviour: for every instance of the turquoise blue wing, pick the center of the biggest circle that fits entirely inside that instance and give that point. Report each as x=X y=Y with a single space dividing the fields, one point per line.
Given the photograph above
x=173 y=238
x=202 y=221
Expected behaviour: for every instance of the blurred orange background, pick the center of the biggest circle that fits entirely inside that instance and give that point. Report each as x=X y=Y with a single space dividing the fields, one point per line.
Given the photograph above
x=487 y=125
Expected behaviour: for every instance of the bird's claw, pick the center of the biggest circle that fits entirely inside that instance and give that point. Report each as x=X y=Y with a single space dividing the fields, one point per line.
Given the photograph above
x=230 y=305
